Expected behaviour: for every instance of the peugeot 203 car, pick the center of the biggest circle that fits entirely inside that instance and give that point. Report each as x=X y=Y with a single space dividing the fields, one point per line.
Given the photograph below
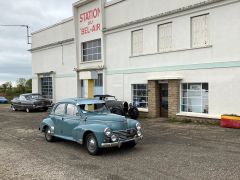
x=89 y=122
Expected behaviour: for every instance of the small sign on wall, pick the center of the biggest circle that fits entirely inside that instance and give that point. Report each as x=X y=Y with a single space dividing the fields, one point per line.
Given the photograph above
x=89 y=21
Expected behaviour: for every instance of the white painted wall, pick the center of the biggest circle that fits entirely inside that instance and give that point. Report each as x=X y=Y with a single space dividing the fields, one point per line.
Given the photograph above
x=224 y=37
x=55 y=33
x=223 y=83
x=131 y=10
x=224 y=28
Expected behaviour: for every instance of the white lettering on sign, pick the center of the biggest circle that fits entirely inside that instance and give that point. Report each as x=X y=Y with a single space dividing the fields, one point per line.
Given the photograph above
x=89 y=17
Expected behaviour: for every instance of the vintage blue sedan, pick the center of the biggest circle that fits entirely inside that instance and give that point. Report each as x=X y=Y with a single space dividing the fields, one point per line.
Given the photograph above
x=89 y=122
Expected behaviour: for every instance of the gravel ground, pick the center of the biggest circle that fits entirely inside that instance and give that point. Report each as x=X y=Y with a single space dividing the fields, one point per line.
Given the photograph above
x=168 y=151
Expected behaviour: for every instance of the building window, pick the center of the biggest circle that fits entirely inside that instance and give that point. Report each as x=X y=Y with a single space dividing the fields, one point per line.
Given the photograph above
x=91 y=50
x=200 y=31
x=137 y=42
x=194 y=97
x=99 y=82
x=140 y=95
x=46 y=87
x=165 y=37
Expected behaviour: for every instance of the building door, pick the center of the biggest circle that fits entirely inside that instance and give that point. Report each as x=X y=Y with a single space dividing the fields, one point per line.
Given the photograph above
x=163 y=100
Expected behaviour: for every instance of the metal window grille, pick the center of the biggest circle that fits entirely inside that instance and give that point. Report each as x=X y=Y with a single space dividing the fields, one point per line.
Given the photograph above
x=46 y=87
x=91 y=50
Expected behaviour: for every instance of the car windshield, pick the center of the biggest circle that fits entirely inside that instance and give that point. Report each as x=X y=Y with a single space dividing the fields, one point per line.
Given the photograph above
x=94 y=108
x=34 y=96
x=2 y=97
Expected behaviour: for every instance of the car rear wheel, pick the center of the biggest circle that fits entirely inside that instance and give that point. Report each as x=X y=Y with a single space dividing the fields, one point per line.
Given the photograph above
x=27 y=110
x=48 y=135
x=92 y=144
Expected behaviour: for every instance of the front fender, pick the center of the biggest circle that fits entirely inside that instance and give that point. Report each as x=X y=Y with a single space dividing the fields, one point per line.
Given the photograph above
x=132 y=123
x=97 y=129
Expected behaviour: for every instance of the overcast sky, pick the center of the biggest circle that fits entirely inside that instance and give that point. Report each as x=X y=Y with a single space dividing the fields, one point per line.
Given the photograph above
x=15 y=60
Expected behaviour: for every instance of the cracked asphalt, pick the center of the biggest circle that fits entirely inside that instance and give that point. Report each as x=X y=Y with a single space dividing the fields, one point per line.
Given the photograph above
x=168 y=151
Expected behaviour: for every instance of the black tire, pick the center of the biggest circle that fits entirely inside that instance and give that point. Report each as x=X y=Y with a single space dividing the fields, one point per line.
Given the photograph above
x=133 y=113
x=92 y=144
x=45 y=109
x=48 y=136
x=131 y=144
x=117 y=111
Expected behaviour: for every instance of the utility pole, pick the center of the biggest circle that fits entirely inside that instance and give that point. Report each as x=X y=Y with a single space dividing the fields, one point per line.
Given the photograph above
x=25 y=26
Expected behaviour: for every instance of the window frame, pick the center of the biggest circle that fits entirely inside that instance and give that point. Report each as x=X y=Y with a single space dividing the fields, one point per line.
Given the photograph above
x=187 y=97
x=191 y=31
x=49 y=93
x=158 y=36
x=57 y=107
x=66 y=112
x=147 y=97
x=132 y=32
x=91 y=48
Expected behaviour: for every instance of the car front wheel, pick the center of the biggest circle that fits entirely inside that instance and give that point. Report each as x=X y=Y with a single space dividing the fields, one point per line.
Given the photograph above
x=92 y=144
x=48 y=135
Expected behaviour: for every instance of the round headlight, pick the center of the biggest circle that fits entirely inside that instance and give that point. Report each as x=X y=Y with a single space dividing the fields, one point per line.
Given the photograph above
x=139 y=133
x=108 y=132
x=114 y=138
x=138 y=126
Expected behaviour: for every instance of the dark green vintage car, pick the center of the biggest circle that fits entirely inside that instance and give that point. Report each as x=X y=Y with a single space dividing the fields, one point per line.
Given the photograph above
x=89 y=122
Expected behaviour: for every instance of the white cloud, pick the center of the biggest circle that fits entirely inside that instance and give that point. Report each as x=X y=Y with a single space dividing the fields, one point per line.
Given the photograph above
x=15 y=60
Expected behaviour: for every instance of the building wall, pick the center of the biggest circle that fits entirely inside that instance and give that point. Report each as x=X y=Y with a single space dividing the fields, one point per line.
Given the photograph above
x=218 y=64
x=133 y=10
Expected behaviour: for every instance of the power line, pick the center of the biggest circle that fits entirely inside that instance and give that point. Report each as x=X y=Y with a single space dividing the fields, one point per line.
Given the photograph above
x=19 y=25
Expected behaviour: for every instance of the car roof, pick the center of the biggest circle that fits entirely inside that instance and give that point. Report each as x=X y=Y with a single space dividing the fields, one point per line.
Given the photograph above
x=79 y=101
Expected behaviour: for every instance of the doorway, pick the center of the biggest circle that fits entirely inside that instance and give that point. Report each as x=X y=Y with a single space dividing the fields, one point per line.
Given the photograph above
x=163 y=89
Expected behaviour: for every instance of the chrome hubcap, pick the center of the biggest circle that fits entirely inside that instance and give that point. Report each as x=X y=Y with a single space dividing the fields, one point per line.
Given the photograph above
x=48 y=134
x=91 y=144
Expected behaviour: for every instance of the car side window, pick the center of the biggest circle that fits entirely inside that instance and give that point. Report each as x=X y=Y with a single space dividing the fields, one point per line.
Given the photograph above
x=60 y=109
x=72 y=110
x=22 y=98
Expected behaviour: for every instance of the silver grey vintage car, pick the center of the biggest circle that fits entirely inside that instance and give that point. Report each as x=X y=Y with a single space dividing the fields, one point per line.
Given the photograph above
x=89 y=122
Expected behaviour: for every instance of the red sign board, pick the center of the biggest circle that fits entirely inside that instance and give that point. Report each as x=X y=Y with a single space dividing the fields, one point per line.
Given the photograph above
x=88 y=19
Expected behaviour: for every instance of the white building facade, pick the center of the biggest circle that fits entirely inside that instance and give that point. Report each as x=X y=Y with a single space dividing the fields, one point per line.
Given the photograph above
x=170 y=58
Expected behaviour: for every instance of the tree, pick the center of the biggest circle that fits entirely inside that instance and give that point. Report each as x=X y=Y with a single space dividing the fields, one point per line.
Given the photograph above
x=21 y=82
x=28 y=84
x=9 y=85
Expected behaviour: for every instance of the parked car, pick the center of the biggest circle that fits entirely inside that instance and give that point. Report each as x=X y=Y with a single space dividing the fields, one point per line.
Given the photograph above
x=3 y=100
x=119 y=107
x=89 y=122
x=29 y=102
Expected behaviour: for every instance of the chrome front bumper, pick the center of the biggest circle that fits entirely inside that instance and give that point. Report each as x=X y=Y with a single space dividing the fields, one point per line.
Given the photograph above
x=119 y=143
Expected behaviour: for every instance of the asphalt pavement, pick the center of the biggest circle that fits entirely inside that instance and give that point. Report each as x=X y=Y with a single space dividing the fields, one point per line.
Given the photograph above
x=168 y=151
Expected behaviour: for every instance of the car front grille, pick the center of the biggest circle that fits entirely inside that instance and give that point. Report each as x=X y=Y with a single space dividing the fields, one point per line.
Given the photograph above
x=125 y=134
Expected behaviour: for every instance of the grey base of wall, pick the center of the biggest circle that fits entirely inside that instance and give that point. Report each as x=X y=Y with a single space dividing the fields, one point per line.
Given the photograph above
x=184 y=119
x=196 y=120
